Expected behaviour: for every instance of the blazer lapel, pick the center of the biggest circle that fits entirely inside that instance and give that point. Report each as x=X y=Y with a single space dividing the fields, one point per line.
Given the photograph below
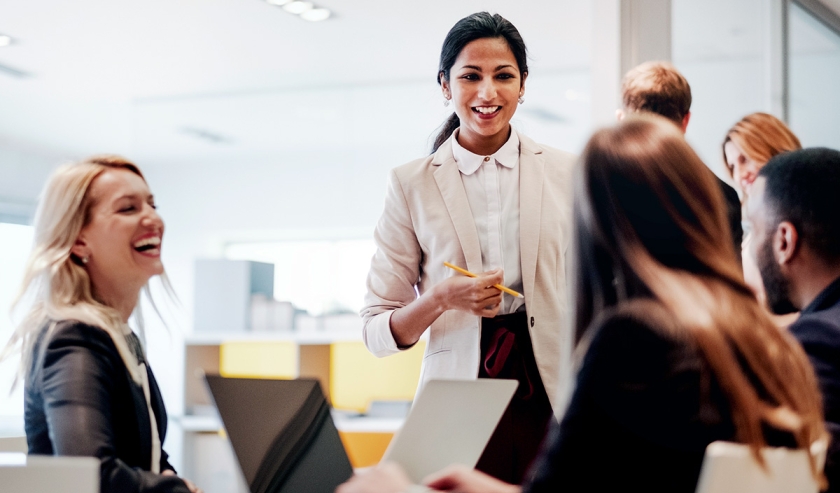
x=531 y=172
x=448 y=179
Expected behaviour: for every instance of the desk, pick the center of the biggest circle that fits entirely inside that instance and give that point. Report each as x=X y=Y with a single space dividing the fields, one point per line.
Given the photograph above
x=208 y=456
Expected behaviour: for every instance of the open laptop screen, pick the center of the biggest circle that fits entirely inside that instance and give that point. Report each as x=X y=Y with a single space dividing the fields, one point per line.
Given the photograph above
x=282 y=434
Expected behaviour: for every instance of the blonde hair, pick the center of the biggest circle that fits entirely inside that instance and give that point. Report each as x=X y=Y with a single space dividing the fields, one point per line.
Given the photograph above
x=657 y=87
x=56 y=277
x=761 y=136
x=646 y=227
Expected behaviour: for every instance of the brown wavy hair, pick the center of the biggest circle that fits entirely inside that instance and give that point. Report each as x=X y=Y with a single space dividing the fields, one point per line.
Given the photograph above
x=651 y=224
x=761 y=136
x=657 y=87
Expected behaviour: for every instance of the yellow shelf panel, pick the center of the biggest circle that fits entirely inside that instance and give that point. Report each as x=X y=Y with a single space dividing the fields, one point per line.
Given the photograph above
x=358 y=377
x=258 y=359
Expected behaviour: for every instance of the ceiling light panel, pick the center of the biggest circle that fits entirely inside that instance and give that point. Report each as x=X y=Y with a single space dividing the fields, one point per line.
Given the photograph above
x=307 y=10
x=316 y=15
x=5 y=40
x=298 y=7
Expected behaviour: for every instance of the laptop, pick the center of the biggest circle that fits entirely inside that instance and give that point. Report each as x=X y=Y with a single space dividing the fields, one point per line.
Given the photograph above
x=450 y=422
x=286 y=442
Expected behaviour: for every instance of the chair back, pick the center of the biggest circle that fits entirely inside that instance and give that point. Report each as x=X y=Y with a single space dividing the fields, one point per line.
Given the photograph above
x=731 y=468
x=21 y=473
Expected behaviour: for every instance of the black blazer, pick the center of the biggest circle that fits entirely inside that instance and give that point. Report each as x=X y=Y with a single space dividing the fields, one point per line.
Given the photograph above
x=733 y=215
x=645 y=406
x=818 y=330
x=80 y=400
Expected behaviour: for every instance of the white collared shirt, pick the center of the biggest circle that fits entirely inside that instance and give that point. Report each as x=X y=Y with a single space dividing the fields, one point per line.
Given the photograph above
x=492 y=187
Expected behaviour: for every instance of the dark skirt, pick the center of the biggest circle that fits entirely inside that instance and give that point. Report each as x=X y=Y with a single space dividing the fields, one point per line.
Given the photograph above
x=506 y=352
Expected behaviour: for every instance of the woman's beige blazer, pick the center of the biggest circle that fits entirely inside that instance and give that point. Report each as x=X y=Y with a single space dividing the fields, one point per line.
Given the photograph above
x=427 y=220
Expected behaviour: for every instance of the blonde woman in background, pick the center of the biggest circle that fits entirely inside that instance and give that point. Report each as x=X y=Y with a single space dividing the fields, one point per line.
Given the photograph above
x=88 y=388
x=748 y=145
x=751 y=142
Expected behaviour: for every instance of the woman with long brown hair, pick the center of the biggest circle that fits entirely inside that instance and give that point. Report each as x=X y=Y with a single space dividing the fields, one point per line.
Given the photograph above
x=674 y=351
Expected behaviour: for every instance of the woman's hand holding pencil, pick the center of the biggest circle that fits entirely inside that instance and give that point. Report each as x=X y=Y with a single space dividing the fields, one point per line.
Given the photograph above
x=476 y=294
x=498 y=286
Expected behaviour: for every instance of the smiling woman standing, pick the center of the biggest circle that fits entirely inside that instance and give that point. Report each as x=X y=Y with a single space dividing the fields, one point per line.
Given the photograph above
x=493 y=201
x=88 y=388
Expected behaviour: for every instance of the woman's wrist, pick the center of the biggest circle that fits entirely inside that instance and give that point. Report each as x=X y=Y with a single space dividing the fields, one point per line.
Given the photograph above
x=439 y=299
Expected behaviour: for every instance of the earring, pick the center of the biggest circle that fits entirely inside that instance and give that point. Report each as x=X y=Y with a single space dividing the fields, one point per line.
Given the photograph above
x=521 y=100
x=85 y=260
x=445 y=102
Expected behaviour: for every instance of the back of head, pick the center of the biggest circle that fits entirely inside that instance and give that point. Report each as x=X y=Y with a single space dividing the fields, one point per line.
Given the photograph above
x=803 y=187
x=473 y=27
x=657 y=87
x=761 y=136
x=644 y=195
x=650 y=223
x=56 y=278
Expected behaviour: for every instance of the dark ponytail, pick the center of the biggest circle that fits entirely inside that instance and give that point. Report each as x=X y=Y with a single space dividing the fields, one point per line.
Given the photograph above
x=476 y=26
x=446 y=130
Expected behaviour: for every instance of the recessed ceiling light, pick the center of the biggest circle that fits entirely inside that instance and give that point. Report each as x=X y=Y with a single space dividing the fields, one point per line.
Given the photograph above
x=315 y=15
x=279 y=3
x=5 y=40
x=298 y=6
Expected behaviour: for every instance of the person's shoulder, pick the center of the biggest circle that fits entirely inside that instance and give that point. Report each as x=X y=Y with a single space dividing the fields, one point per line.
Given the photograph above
x=818 y=327
x=558 y=156
x=637 y=324
x=728 y=191
x=77 y=333
x=414 y=167
x=637 y=341
x=552 y=156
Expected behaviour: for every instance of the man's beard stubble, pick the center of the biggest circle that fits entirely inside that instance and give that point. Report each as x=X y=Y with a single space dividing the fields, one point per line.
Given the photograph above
x=776 y=286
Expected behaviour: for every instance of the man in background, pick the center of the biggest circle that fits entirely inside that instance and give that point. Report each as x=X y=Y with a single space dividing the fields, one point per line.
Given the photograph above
x=793 y=210
x=658 y=87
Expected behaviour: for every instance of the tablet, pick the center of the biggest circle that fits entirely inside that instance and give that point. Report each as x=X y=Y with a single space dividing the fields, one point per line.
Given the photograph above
x=450 y=422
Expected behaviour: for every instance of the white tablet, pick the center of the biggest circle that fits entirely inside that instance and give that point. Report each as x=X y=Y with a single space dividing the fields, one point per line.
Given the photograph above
x=450 y=422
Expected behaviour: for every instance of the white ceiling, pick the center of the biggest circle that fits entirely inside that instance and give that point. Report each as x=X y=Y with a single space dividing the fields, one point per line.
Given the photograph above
x=127 y=50
x=144 y=78
x=100 y=69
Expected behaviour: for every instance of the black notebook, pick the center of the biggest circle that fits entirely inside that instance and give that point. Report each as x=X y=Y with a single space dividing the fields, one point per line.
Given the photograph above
x=282 y=434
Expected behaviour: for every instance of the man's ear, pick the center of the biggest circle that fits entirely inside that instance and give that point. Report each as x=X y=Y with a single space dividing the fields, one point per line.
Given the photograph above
x=684 y=124
x=785 y=243
x=619 y=114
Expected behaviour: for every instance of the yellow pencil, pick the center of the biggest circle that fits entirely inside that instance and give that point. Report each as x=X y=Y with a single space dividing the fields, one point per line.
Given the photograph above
x=497 y=286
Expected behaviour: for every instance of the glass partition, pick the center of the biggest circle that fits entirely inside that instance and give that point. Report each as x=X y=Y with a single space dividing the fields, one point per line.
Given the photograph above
x=814 y=80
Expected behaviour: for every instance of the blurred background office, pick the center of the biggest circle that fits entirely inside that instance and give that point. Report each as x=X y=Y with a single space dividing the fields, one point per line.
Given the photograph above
x=266 y=130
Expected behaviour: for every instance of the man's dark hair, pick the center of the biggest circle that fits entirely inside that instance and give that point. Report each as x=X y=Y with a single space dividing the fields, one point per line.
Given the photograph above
x=803 y=187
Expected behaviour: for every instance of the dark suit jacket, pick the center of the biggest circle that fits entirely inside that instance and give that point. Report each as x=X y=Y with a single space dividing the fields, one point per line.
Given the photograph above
x=645 y=407
x=818 y=329
x=733 y=215
x=81 y=401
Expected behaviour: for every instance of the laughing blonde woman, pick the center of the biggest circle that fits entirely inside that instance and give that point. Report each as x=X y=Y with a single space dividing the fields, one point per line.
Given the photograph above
x=88 y=388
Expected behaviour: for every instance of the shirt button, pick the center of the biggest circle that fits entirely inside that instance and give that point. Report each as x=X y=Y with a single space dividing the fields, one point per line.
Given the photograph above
x=486 y=158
